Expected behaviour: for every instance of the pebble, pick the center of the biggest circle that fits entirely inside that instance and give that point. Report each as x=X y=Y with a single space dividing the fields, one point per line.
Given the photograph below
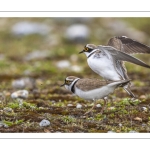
x=138 y=119
x=63 y=64
x=44 y=123
x=69 y=105
x=111 y=108
x=24 y=83
x=23 y=94
x=28 y=28
x=8 y=110
x=144 y=109
x=120 y=124
x=78 y=106
x=144 y=125
x=142 y=97
x=98 y=105
x=78 y=33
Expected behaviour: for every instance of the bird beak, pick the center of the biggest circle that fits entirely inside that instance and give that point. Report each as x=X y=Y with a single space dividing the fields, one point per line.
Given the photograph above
x=62 y=85
x=81 y=52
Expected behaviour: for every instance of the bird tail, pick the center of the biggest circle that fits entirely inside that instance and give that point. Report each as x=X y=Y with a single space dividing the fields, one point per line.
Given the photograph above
x=126 y=85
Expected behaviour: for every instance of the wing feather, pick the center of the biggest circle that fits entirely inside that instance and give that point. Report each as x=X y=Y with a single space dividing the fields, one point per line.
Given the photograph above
x=128 y=45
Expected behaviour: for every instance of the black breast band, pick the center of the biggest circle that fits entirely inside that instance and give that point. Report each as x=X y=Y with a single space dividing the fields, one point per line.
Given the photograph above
x=73 y=88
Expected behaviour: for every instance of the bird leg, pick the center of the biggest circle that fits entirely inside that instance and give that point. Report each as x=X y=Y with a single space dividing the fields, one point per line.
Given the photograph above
x=91 y=108
x=105 y=98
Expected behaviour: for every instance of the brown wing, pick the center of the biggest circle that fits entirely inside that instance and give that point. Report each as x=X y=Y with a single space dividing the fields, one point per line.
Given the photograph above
x=128 y=45
x=90 y=84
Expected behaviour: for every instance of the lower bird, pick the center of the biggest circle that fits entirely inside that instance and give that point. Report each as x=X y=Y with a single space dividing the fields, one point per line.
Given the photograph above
x=92 y=89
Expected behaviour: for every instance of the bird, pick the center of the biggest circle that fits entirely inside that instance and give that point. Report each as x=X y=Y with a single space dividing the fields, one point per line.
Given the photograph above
x=92 y=89
x=108 y=61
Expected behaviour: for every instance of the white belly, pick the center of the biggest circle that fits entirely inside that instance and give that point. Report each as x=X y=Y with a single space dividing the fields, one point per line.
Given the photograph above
x=104 y=67
x=94 y=94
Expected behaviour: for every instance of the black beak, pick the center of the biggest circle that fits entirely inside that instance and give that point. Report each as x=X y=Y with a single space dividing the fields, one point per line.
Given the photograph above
x=81 y=52
x=62 y=85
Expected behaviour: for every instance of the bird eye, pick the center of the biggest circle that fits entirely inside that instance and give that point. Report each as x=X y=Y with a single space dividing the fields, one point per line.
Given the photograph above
x=68 y=82
x=86 y=48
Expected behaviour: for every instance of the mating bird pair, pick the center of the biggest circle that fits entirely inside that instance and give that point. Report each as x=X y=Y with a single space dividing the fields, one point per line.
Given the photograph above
x=108 y=62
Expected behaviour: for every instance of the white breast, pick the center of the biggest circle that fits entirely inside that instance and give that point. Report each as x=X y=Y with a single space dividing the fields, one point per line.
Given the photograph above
x=104 y=67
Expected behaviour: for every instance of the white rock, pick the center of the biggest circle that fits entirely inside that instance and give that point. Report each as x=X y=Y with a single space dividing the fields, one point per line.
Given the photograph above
x=44 y=123
x=23 y=83
x=63 y=64
x=144 y=109
x=78 y=106
x=98 y=105
x=120 y=124
x=111 y=108
x=69 y=105
x=8 y=109
x=77 y=33
x=27 y=28
x=23 y=94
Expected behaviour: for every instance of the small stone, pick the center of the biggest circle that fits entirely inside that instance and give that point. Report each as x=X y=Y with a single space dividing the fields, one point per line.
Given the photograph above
x=111 y=108
x=78 y=33
x=27 y=28
x=23 y=94
x=138 y=119
x=144 y=109
x=44 y=123
x=120 y=124
x=78 y=106
x=8 y=110
x=69 y=105
x=98 y=105
x=144 y=125
x=24 y=83
x=63 y=64
x=142 y=97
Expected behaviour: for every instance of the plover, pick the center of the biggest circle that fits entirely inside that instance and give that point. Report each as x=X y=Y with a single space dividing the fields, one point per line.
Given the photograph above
x=92 y=89
x=107 y=61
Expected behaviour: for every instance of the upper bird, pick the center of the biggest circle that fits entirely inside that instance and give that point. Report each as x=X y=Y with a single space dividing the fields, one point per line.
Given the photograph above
x=107 y=61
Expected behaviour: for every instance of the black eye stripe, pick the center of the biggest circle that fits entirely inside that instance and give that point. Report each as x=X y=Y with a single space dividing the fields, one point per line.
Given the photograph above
x=90 y=49
x=68 y=82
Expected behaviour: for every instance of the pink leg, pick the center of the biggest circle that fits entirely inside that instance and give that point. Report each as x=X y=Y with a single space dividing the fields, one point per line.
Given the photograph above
x=91 y=108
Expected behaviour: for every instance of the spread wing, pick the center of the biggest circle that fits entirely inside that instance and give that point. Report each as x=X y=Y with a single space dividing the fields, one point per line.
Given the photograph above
x=90 y=84
x=128 y=45
x=118 y=55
